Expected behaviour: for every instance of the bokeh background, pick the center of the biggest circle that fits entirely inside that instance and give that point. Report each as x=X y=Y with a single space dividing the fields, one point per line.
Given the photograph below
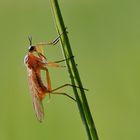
x=105 y=38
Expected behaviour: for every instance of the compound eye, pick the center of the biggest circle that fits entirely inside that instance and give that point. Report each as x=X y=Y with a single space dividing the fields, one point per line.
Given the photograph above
x=31 y=48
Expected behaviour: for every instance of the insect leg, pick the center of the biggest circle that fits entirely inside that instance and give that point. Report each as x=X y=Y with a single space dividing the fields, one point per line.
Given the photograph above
x=59 y=61
x=49 y=88
x=62 y=93
x=54 y=42
x=63 y=59
x=54 y=63
x=65 y=85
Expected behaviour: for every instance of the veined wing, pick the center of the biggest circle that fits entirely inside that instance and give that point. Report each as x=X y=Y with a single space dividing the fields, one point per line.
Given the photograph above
x=38 y=106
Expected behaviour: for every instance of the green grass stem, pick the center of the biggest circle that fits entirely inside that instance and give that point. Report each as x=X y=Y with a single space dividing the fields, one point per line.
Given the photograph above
x=74 y=74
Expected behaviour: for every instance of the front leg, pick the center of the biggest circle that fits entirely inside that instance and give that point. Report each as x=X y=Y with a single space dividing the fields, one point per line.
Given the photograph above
x=53 y=42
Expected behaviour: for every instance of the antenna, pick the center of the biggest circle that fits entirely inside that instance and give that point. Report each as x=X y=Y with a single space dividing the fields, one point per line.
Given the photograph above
x=30 y=40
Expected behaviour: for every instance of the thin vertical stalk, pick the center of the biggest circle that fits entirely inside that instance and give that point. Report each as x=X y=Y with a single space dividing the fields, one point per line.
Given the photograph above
x=74 y=74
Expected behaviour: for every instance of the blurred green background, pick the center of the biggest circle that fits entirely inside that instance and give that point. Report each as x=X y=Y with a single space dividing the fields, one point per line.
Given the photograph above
x=105 y=38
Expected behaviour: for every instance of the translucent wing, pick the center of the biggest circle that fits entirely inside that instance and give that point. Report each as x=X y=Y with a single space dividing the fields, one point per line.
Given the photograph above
x=38 y=106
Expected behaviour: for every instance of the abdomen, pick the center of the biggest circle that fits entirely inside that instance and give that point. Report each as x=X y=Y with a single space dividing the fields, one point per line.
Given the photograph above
x=38 y=83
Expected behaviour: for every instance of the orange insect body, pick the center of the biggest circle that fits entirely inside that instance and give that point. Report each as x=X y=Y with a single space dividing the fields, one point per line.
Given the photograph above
x=35 y=63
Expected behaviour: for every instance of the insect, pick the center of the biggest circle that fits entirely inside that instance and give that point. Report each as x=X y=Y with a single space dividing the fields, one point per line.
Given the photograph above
x=35 y=61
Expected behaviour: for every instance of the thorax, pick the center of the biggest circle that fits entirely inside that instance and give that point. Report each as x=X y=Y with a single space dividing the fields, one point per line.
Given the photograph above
x=32 y=62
